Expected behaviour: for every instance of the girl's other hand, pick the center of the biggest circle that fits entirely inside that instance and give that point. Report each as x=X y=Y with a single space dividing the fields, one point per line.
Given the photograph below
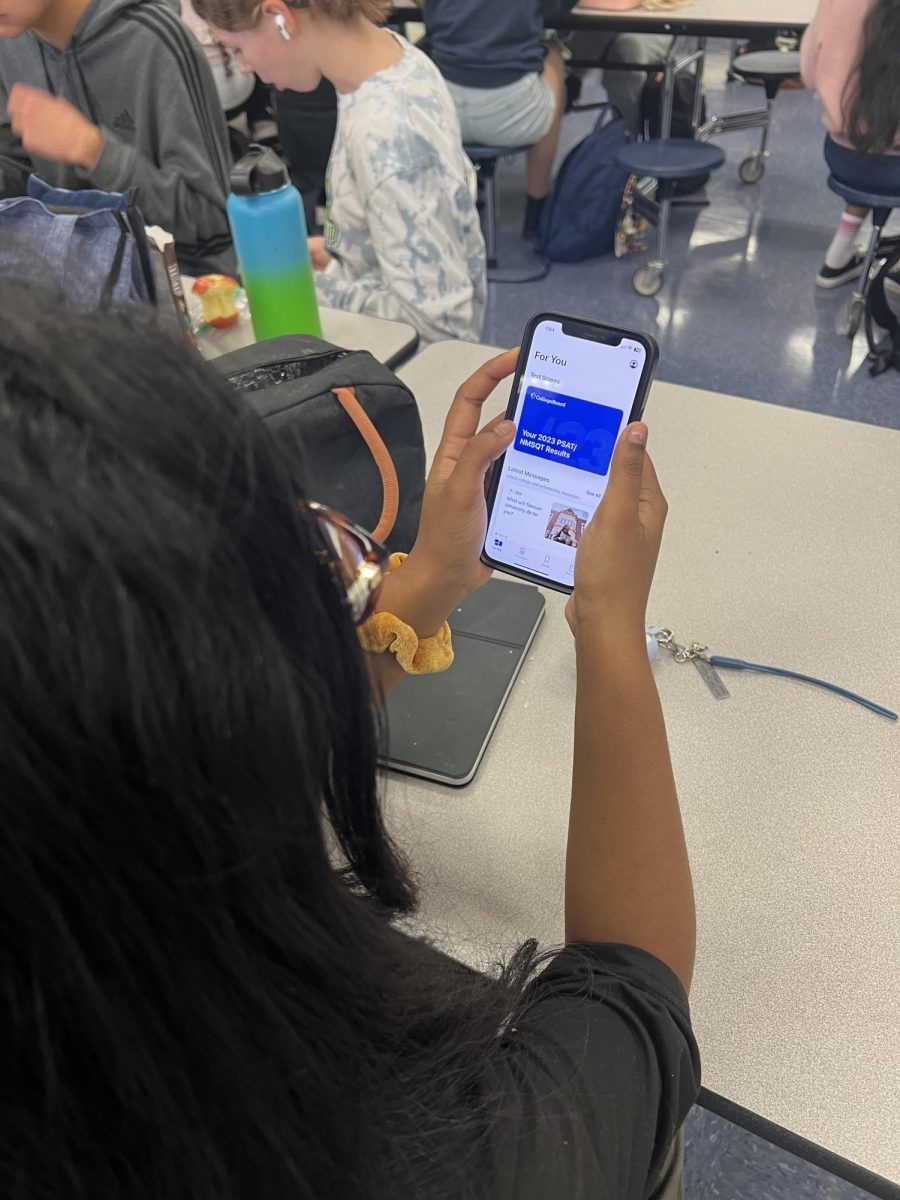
x=616 y=560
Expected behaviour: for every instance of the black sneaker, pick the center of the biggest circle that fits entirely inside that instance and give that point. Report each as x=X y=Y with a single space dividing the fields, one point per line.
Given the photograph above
x=534 y=210
x=833 y=277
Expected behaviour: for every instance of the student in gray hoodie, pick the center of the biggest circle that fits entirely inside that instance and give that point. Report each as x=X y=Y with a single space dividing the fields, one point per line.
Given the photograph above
x=116 y=94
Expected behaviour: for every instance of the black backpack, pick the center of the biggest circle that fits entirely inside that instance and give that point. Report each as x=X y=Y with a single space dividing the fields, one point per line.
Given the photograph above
x=349 y=420
x=579 y=220
x=882 y=322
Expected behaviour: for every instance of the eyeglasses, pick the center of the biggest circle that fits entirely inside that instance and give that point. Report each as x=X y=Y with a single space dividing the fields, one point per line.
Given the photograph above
x=358 y=564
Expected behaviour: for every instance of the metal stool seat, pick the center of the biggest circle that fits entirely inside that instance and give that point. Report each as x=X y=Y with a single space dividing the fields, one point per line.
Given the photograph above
x=881 y=205
x=672 y=158
x=485 y=159
x=770 y=69
x=665 y=160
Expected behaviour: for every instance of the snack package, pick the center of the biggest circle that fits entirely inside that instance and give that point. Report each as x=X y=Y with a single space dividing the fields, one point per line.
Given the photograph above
x=165 y=268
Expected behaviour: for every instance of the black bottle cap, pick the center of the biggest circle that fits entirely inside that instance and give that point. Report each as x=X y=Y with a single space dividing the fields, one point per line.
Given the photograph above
x=260 y=170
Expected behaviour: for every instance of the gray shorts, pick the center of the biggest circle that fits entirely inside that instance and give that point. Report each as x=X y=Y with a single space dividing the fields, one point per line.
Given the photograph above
x=517 y=114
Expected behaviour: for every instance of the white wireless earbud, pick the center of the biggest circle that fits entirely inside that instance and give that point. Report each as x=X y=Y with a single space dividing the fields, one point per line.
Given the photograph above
x=281 y=27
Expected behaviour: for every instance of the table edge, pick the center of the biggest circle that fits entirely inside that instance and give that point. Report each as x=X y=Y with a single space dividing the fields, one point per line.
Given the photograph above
x=671 y=23
x=796 y=1144
x=406 y=355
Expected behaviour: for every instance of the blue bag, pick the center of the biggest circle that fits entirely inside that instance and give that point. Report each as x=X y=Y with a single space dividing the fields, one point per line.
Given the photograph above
x=87 y=247
x=579 y=220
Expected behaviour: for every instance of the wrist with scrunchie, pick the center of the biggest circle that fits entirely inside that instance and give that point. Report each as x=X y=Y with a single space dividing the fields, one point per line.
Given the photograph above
x=384 y=632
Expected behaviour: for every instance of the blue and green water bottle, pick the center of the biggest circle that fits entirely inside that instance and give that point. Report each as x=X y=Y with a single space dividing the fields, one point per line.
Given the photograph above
x=269 y=230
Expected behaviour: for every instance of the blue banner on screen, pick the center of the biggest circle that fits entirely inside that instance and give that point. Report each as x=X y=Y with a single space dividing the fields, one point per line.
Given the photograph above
x=566 y=429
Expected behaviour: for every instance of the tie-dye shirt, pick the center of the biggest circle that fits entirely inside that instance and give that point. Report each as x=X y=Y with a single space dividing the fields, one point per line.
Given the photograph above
x=402 y=223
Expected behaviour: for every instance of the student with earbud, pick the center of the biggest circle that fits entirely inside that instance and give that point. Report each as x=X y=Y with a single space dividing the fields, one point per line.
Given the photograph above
x=402 y=238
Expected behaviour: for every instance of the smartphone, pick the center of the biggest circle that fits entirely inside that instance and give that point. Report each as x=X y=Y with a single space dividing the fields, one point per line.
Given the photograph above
x=578 y=383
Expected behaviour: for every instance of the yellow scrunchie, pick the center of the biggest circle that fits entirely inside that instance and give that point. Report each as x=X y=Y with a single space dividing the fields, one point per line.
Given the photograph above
x=383 y=631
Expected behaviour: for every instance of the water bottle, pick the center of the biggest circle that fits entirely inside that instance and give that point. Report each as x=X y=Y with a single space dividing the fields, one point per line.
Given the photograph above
x=269 y=230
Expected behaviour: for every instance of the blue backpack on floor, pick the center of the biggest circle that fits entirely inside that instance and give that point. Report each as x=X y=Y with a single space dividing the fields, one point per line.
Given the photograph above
x=580 y=218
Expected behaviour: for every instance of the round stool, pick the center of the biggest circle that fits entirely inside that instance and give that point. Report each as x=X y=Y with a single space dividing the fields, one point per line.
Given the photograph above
x=881 y=205
x=770 y=69
x=665 y=160
x=485 y=160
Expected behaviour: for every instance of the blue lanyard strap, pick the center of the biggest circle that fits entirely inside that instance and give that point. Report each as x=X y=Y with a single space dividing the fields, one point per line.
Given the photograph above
x=738 y=664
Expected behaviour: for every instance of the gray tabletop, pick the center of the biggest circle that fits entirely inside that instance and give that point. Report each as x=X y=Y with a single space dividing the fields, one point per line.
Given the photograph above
x=710 y=18
x=391 y=342
x=780 y=548
x=706 y=18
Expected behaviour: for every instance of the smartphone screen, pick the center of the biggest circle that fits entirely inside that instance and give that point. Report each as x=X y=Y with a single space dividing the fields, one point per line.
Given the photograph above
x=577 y=385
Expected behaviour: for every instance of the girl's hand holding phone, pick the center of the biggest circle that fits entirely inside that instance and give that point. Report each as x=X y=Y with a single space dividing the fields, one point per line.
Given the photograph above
x=444 y=565
x=617 y=556
x=615 y=561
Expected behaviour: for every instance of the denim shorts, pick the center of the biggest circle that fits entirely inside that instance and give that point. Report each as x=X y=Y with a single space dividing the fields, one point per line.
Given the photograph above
x=517 y=114
x=865 y=172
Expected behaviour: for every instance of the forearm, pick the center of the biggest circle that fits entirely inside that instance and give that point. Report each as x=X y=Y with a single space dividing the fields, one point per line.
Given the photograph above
x=365 y=294
x=184 y=201
x=411 y=594
x=628 y=877
x=384 y=673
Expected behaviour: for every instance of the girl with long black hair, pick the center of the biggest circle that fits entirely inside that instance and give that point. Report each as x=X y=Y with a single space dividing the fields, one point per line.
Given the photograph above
x=204 y=996
x=850 y=55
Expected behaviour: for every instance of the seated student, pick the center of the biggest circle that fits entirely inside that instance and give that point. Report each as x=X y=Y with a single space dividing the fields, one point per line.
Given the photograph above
x=624 y=89
x=508 y=87
x=850 y=55
x=197 y=1002
x=402 y=238
x=116 y=95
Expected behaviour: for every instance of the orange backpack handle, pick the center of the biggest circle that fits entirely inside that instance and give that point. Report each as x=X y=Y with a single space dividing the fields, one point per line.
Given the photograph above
x=389 y=483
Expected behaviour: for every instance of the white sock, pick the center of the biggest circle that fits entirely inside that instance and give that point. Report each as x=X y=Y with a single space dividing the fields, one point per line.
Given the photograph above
x=840 y=251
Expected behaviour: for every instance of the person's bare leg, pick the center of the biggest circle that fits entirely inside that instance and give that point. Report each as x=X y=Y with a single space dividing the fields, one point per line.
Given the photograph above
x=539 y=169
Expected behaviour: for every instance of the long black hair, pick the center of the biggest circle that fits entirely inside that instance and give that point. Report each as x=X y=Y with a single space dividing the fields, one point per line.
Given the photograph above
x=872 y=96
x=195 y=1004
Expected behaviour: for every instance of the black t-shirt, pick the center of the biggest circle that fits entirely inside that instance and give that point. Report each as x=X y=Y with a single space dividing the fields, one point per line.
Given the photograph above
x=476 y=44
x=597 y=1078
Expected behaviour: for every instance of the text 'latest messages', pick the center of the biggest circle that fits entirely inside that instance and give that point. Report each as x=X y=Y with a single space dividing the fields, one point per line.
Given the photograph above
x=575 y=397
